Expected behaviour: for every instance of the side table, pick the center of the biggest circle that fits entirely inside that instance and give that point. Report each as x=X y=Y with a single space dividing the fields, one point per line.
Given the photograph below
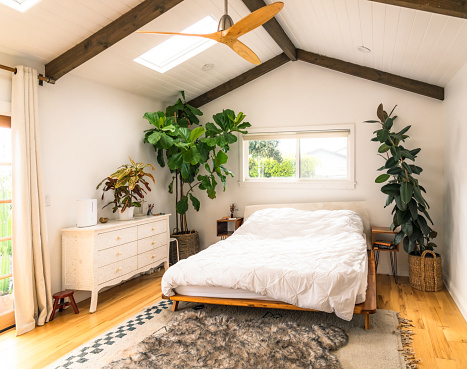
x=223 y=227
x=388 y=246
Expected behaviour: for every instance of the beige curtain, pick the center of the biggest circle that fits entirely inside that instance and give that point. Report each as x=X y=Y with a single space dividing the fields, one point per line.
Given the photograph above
x=31 y=269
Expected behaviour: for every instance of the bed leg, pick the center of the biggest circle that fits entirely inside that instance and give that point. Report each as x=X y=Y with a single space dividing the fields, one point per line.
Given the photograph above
x=367 y=321
x=175 y=305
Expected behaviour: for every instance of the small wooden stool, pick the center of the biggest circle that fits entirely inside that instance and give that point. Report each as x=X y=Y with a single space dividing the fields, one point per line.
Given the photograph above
x=61 y=296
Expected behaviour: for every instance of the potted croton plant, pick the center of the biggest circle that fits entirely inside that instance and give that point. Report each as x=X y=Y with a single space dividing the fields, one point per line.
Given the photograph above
x=195 y=156
x=129 y=187
x=410 y=210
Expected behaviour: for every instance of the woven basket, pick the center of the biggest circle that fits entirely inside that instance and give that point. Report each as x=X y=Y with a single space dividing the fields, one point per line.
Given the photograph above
x=426 y=274
x=188 y=243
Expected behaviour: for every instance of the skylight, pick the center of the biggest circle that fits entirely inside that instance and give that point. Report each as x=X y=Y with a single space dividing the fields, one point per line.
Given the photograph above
x=20 y=5
x=178 y=49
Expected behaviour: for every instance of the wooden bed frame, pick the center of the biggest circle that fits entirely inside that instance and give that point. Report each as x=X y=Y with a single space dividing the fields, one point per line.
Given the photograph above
x=365 y=308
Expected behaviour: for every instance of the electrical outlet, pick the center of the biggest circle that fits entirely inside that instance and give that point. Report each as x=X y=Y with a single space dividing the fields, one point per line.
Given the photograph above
x=48 y=201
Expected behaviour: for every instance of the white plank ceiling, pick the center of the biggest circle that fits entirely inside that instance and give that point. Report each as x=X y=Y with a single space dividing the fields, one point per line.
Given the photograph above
x=406 y=42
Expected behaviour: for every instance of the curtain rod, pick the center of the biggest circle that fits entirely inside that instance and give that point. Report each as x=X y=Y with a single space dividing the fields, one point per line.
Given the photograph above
x=40 y=76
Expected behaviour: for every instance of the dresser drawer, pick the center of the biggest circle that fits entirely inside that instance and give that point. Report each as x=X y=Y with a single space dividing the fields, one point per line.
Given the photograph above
x=151 y=256
x=117 y=253
x=153 y=228
x=150 y=243
x=115 y=238
x=115 y=270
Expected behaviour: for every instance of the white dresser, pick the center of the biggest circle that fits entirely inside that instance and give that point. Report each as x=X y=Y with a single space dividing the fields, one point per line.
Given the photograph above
x=107 y=254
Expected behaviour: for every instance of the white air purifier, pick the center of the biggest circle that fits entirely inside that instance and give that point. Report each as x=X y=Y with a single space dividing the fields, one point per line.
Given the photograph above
x=86 y=212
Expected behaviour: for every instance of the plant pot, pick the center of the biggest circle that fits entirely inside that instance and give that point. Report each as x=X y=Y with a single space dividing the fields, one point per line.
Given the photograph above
x=127 y=214
x=188 y=243
x=426 y=273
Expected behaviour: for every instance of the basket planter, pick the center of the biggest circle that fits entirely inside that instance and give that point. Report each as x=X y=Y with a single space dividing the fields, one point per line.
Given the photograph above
x=426 y=274
x=188 y=243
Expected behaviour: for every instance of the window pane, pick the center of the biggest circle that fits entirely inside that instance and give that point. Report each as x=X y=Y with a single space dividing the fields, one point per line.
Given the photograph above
x=323 y=158
x=5 y=145
x=272 y=158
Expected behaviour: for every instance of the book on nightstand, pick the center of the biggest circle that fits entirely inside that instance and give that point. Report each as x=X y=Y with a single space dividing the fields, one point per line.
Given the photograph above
x=384 y=245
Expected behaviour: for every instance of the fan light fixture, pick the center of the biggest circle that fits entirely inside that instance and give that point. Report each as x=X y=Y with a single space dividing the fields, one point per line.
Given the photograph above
x=228 y=34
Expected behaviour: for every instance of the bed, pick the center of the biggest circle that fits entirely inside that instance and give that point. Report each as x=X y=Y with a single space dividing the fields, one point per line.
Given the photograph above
x=289 y=256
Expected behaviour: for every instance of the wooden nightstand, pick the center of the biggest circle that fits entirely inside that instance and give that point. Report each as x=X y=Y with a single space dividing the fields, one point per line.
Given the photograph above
x=392 y=249
x=223 y=227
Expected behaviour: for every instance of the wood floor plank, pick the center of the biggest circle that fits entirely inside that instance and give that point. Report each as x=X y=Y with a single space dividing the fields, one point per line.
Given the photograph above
x=440 y=339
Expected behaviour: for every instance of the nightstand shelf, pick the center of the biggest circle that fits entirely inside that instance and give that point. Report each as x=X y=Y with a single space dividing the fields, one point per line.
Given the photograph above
x=223 y=227
x=393 y=249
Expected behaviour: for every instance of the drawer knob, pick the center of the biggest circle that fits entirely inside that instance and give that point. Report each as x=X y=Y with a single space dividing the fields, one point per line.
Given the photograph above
x=153 y=228
x=119 y=253
x=153 y=242
x=119 y=237
x=118 y=269
x=153 y=256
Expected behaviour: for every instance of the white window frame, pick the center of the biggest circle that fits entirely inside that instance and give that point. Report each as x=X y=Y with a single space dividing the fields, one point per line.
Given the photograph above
x=291 y=183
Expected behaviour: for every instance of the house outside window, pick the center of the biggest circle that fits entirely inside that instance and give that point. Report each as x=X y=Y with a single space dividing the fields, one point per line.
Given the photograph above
x=315 y=157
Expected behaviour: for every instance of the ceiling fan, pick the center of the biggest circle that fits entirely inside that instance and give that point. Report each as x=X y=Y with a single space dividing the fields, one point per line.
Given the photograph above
x=228 y=32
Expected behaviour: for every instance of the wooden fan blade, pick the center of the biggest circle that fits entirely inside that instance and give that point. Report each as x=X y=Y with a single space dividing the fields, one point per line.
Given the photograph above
x=254 y=20
x=216 y=36
x=244 y=51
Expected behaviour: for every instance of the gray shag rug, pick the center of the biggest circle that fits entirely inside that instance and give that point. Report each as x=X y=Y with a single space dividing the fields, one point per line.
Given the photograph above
x=197 y=340
x=217 y=336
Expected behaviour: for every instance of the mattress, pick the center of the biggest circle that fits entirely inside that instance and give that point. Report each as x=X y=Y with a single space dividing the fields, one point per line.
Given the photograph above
x=315 y=260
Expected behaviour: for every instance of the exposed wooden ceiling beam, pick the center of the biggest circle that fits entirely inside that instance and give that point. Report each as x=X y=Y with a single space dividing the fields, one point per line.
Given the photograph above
x=108 y=36
x=454 y=8
x=240 y=80
x=275 y=30
x=371 y=74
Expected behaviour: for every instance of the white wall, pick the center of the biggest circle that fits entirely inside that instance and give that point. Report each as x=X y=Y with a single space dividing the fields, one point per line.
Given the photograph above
x=455 y=190
x=301 y=94
x=87 y=131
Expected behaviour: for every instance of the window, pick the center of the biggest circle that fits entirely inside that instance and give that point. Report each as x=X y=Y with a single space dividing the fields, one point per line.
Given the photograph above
x=21 y=5
x=6 y=281
x=178 y=49
x=309 y=156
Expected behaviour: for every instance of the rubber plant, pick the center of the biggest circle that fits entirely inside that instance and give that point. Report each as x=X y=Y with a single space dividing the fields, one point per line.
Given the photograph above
x=128 y=184
x=410 y=211
x=195 y=154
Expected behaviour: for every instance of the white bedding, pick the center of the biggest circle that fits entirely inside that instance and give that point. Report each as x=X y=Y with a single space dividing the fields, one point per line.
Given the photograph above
x=314 y=260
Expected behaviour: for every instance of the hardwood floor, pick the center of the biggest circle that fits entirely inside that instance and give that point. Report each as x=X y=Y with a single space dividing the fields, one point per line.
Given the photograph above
x=440 y=340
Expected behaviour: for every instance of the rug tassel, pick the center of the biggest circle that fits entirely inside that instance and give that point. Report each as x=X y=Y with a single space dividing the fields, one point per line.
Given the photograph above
x=405 y=329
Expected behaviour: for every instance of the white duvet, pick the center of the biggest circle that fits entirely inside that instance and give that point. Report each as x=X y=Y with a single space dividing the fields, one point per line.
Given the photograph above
x=315 y=260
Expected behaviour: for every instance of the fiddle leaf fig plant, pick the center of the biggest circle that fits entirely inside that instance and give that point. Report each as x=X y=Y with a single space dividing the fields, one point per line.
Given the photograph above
x=195 y=155
x=127 y=184
x=410 y=211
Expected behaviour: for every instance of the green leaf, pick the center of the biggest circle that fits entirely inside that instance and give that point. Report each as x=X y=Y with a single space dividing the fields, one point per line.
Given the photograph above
x=371 y=121
x=175 y=161
x=390 y=163
x=160 y=158
x=388 y=123
x=391 y=189
x=382 y=178
x=407 y=228
x=413 y=209
x=195 y=202
x=400 y=204
x=171 y=187
x=389 y=200
x=399 y=237
x=182 y=205
x=418 y=196
x=403 y=130
x=154 y=137
x=406 y=192
x=382 y=135
x=383 y=148
x=221 y=158
x=423 y=226
x=185 y=170
x=196 y=133
x=166 y=141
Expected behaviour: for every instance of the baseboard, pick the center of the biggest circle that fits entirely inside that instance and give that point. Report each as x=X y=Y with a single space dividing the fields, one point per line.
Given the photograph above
x=453 y=291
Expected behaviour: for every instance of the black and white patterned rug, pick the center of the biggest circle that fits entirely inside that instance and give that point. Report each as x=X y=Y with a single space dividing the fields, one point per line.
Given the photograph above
x=378 y=347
